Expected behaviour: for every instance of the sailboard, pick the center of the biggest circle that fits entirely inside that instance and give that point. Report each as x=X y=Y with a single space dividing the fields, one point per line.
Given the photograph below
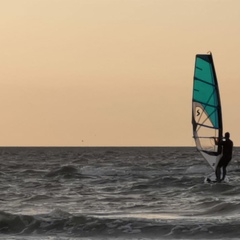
x=206 y=110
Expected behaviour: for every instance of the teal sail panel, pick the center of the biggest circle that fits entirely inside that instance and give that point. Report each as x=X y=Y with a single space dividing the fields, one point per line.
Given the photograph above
x=206 y=109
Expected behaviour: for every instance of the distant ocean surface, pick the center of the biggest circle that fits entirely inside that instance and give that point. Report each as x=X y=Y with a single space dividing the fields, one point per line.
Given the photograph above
x=111 y=193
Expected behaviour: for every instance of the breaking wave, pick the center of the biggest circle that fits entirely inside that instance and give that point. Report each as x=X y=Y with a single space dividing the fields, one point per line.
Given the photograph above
x=148 y=225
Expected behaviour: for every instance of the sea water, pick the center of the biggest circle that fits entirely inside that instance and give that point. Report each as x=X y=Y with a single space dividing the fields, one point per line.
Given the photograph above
x=115 y=193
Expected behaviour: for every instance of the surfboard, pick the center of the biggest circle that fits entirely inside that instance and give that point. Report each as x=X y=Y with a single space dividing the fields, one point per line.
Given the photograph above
x=207 y=122
x=211 y=178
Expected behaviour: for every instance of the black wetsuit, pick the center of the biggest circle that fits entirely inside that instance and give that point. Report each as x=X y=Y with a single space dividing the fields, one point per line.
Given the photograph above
x=227 y=147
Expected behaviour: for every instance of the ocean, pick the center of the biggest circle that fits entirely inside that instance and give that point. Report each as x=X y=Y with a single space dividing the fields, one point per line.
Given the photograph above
x=93 y=193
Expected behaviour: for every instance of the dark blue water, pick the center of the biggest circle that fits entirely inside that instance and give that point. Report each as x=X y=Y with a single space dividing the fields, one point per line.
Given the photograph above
x=115 y=193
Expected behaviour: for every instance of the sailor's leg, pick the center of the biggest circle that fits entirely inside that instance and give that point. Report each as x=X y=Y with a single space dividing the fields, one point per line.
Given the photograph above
x=224 y=172
x=218 y=169
x=218 y=173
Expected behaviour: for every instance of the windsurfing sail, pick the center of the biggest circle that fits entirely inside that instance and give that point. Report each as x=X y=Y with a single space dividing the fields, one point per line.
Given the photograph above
x=206 y=110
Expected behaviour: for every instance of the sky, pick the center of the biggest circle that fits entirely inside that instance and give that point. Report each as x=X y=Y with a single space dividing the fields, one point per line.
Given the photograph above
x=112 y=72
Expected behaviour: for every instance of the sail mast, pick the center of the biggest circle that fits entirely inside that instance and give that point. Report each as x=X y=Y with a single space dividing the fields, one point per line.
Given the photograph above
x=219 y=100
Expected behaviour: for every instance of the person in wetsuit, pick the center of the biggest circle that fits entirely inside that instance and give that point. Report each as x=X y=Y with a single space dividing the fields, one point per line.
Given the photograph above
x=227 y=148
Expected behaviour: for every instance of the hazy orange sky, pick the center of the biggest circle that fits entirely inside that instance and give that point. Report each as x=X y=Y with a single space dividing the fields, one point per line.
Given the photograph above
x=112 y=72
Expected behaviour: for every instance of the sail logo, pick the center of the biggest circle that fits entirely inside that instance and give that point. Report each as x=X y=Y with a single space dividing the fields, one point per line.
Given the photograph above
x=198 y=112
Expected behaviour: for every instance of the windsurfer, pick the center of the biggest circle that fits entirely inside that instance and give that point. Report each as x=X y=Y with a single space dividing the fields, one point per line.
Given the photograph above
x=227 y=148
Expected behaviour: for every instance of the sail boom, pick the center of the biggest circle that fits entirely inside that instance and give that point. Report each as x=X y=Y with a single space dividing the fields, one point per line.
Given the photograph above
x=204 y=137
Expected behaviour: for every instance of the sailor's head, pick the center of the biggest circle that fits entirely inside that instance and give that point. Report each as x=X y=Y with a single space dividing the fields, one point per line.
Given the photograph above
x=227 y=135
